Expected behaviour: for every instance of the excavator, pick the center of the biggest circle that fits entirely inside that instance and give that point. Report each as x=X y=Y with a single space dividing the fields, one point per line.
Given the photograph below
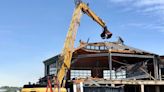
x=66 y=55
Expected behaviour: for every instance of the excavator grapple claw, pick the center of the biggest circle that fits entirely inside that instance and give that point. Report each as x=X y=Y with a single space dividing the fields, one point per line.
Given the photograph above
x=106 y=34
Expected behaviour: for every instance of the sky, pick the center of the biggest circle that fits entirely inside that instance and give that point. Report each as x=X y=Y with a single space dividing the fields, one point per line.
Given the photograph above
x=32 y=31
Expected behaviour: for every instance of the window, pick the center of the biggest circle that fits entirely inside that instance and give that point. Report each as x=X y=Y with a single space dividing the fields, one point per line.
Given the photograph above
x=115 y=75
x=102 y=48
x=87 y=47
x=96 y=47
x=106 y=74
x=121 y=74
x=92 y=47
x=52 y=69
x=80 y=73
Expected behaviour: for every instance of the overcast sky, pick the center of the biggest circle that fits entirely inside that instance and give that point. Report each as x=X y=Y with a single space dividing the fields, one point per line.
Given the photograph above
x=33 y=30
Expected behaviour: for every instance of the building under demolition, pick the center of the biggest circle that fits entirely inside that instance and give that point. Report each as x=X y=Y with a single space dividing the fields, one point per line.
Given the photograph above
x=112 y=67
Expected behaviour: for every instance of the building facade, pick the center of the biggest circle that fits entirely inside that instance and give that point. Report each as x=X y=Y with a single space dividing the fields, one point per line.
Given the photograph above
x=108 y=60
x=108 y=63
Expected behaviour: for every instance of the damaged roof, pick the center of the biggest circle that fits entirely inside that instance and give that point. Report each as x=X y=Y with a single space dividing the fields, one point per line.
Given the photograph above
x=117 y=47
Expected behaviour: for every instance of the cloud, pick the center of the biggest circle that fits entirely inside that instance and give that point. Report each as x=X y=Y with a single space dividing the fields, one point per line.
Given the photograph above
x=145 y=6
x=141 y=3
x=151 y=8
x=120 y=1
x=154 y=9
x=146 y=26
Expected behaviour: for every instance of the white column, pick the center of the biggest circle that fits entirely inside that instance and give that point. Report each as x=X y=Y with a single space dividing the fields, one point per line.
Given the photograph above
x=160 y=77
x=142 y=87
x=113 y=85
x=81 y=87
x=74 y=88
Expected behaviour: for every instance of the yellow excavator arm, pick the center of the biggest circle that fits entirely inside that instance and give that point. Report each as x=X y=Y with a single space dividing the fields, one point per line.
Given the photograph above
x=67 y=51
x=91 y=14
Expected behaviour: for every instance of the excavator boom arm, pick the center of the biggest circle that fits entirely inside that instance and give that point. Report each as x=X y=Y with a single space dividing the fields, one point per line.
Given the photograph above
x=91 y=14
x=69 y=45
x=70 y=38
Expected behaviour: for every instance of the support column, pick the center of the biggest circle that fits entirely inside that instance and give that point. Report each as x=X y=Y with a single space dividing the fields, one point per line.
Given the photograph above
x=112 y=85
x=160 y=75
x=157 y=89
x=74 y=87
x=142 y=87
x=81 y=87
x=155 y=67
x=110 y=63
x=45 y=69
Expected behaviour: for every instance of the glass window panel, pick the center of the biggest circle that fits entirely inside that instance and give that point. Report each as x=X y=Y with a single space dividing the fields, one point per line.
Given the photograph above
x=80 y=73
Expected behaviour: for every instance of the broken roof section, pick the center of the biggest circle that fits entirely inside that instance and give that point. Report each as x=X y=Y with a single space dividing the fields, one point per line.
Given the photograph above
x=113 y=47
